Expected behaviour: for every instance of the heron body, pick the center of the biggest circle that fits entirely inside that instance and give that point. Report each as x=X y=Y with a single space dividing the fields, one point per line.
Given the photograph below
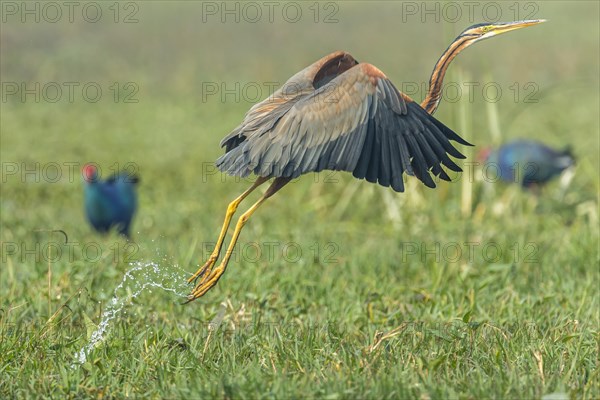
x=109 y=203
x=527 y=162
x=339 y=114
x=357 y=122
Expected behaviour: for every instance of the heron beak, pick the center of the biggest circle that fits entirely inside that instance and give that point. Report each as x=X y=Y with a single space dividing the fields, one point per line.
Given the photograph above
x=510 y=26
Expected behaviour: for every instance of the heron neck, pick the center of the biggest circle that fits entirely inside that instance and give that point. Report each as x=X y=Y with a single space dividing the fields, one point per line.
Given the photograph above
x=434 y=94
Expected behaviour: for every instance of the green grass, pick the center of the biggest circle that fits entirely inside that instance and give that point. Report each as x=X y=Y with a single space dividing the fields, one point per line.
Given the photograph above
x=363 y=294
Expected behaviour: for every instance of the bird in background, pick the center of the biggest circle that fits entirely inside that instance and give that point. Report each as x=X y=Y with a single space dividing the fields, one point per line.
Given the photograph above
x=342 y=115
x=527 y=162
x=110 y=203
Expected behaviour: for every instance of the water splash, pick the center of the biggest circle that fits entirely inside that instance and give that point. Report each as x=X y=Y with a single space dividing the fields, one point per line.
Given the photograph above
x=142 y=276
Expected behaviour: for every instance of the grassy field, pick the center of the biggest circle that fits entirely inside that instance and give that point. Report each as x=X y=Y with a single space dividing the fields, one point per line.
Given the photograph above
x=338 y=288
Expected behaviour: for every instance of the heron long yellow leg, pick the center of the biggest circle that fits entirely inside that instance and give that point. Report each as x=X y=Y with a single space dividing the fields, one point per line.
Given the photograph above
x=210 y=280
x=231 y=209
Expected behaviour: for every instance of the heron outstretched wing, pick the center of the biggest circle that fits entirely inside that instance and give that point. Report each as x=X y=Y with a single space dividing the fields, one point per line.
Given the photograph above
x=264 y=115
x=358 y=122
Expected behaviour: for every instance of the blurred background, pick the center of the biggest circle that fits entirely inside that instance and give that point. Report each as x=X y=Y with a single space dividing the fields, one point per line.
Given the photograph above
x=153 y=87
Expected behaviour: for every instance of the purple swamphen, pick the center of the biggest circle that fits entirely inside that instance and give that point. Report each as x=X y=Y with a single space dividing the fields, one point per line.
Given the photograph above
x=526 y=162
x=109 y=203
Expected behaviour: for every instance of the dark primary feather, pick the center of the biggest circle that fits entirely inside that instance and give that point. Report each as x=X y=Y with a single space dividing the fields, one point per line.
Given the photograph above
x=527 y=162
x=111 y=203
x=357 y=122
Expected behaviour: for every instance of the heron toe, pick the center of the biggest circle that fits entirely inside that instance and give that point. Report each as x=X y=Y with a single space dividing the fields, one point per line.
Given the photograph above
x=206 y=268
x=207 y=282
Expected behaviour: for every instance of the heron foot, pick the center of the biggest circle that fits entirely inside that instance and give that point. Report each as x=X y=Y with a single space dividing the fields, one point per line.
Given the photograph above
x=207 y=282
x=206 y=269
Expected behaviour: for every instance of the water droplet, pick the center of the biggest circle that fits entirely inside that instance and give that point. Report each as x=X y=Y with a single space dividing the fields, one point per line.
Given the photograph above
x=143 y=276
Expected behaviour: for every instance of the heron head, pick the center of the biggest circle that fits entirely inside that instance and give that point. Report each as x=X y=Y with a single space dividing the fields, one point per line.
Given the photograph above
x=487 y=30
x=90 y=173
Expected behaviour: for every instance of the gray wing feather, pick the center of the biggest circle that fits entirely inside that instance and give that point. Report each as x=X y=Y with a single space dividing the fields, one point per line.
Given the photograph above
x=370 y=129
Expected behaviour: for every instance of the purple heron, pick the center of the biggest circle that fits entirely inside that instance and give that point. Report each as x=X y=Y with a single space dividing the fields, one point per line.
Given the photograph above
x=342 y=115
